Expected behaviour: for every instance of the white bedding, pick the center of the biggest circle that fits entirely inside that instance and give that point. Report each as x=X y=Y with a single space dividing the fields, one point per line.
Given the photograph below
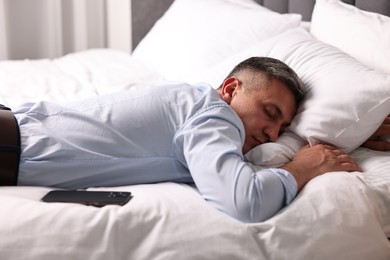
x=336 y=216
x=72 y=77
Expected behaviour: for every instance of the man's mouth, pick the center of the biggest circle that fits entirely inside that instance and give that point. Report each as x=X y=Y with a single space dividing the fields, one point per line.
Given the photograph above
x=258 y=141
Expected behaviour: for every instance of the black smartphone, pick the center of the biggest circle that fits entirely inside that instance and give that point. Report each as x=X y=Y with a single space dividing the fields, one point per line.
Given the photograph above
x=92 y=198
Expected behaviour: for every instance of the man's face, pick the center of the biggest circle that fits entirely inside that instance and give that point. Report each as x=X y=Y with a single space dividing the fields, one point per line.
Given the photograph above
x=265 y=111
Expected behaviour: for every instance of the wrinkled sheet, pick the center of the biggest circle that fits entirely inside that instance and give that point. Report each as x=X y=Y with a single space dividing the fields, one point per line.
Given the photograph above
x=72 y=77
x=336 y=216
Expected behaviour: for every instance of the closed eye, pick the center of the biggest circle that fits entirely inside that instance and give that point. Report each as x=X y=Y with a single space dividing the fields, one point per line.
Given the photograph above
x=272 y=112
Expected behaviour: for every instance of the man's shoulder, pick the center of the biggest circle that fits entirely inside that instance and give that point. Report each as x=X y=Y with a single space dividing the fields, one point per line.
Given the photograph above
x=184 y=86
x=199 y=93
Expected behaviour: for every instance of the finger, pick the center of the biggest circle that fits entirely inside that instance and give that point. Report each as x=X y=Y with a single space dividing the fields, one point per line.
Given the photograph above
x=379 y=145
x=338 y=152
x=351 y=167
x=335 y=154
x=345 y=158
x=329 y=147
x=384 y=129
x=334 y=151
x=347 y=161
x=387 y=120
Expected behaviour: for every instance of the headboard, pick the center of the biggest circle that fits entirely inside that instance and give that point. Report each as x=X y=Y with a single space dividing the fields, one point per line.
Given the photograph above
x=146 y=12
x=305 y=7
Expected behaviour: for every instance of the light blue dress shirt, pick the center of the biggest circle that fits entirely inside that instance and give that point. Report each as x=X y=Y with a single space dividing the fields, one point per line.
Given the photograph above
x=173 y=132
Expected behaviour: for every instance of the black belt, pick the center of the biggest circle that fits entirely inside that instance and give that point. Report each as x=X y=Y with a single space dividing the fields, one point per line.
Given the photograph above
x=9 y=147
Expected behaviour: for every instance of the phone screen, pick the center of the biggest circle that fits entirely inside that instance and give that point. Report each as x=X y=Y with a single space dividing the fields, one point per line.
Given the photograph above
x=93 y=198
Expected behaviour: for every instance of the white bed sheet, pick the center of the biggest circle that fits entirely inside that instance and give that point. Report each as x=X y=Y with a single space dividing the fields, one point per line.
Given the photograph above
x=336 y=216
x=72 y=77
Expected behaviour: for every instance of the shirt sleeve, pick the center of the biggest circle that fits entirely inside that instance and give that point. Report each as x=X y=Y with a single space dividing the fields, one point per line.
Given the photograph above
x=211 y=145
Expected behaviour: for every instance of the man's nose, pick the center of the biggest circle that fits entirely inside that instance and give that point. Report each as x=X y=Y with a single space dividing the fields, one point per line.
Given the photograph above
x=272 y=132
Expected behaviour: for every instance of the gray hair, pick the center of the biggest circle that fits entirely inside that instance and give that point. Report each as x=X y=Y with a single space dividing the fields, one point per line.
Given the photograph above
x=272 y=69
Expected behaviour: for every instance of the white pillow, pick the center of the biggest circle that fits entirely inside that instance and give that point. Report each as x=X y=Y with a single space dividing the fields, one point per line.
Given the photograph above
x=345 y=101
x=195 y=34
x=276 y=154
x=363 y=35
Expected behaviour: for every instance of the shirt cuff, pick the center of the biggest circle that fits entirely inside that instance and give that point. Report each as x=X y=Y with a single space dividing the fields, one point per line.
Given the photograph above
x=289 y=183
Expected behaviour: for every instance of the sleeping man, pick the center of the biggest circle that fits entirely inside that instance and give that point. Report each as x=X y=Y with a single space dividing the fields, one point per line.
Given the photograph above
x=178 y=133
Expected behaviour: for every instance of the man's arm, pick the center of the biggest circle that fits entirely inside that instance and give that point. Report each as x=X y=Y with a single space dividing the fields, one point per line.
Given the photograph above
x=210 y=145
x=377 y=141
x=212 y=142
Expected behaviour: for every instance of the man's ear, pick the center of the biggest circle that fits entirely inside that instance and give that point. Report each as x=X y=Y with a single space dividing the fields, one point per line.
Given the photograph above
x=228 y=88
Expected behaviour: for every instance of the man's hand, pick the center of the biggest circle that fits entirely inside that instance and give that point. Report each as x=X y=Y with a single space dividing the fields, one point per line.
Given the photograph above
x=376 y=141
x=310 y=162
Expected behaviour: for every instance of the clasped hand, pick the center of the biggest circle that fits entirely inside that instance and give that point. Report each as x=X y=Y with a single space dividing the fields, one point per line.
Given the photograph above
x=310 y=162
x=376 y=141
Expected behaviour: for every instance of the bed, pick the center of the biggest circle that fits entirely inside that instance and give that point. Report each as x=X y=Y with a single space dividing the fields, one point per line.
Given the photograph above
x=342 y=58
